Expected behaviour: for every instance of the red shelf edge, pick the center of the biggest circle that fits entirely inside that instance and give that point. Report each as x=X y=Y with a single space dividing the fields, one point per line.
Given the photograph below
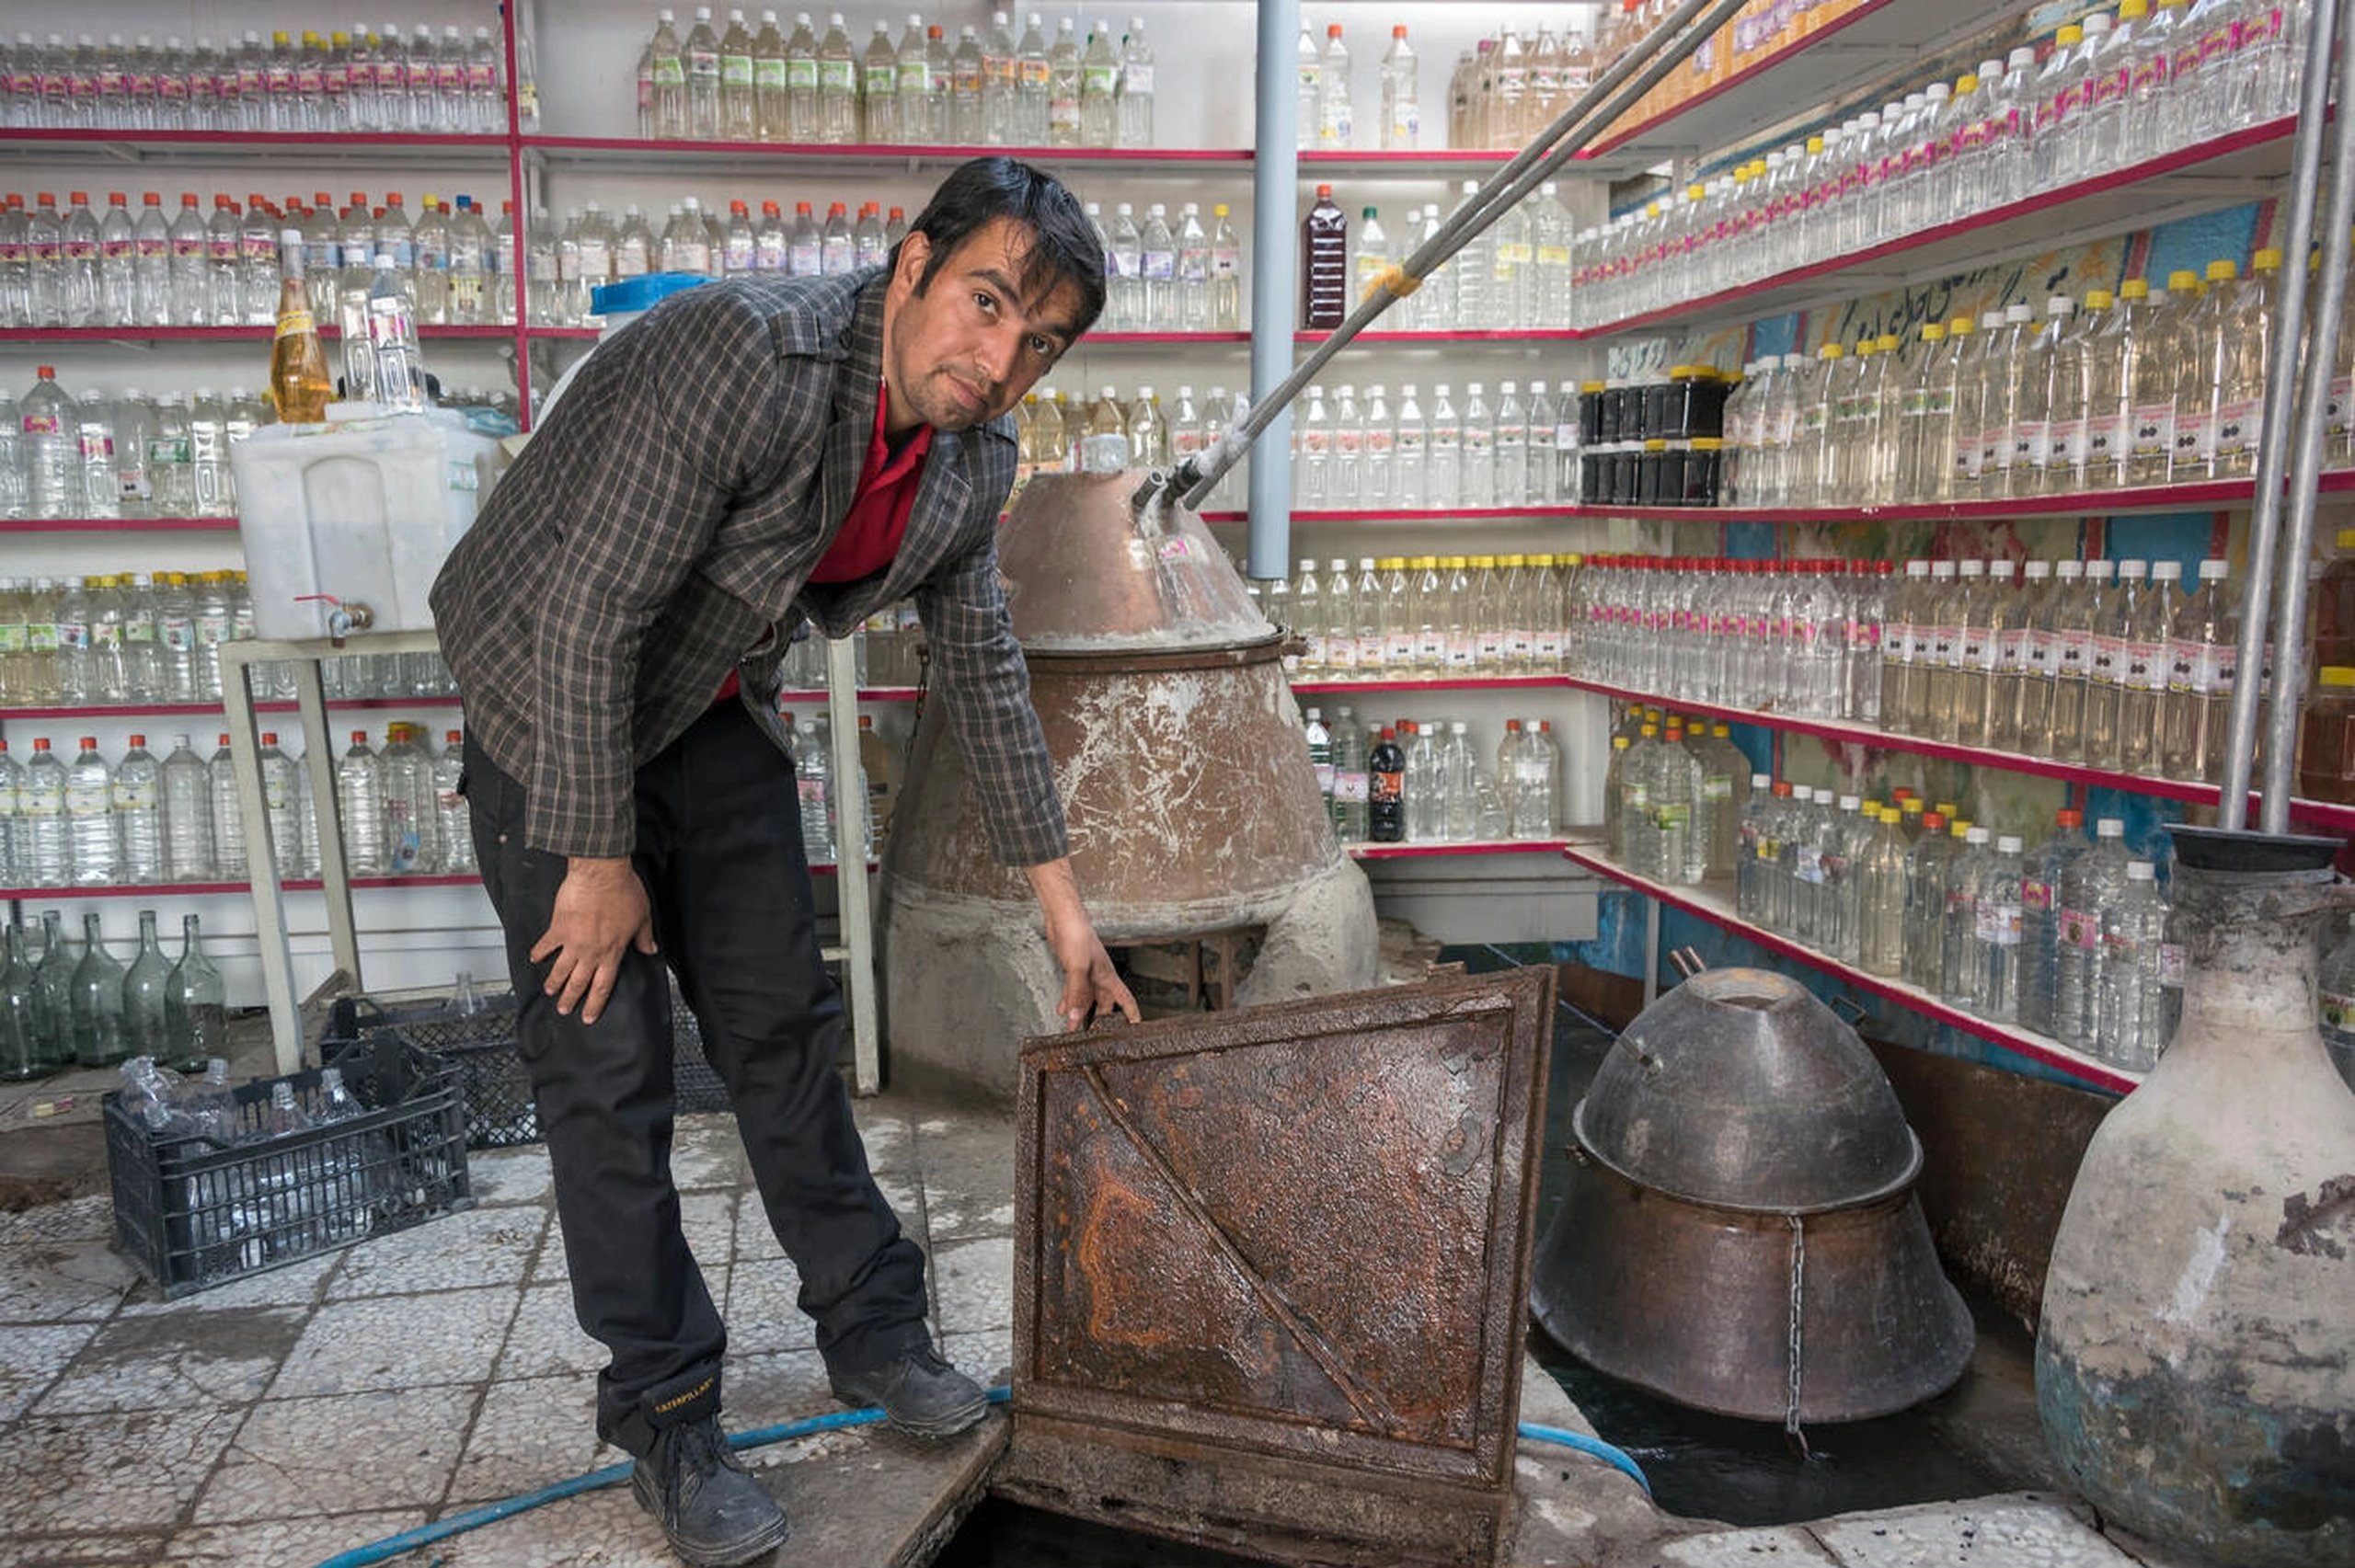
x=1363 y=850
x=2022 y=1042
x=1409 y=339
x=102 y=140
x=851 y=151
x=1470 y=683
x=119 y=525
x=2198 y=495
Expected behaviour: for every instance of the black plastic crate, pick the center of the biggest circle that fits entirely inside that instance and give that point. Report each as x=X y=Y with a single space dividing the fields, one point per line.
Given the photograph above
x=480 y=1046
x=193 y=1213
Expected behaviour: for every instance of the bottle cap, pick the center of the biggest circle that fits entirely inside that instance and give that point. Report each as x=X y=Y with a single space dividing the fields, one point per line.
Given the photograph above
x=2008 y=844
x=2098 y=299
x=2223 y=271
x=2110 y=828
x=2140 y=871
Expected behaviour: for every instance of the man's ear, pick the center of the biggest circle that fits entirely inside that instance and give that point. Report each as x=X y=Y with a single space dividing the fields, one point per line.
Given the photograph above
x=916 y=252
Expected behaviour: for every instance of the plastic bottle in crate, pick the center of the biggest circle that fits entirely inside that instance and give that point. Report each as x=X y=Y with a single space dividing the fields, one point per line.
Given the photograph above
x=287 y=1187
x=347 y=1165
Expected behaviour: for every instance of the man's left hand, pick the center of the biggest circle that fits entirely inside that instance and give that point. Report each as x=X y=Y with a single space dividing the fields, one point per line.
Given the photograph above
x=1091 y=986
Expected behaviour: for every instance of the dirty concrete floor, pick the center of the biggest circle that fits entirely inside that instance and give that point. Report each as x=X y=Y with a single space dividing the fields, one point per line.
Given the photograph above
x=314 y=1409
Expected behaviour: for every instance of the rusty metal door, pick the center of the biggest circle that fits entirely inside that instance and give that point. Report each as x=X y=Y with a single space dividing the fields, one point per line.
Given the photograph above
x=1270 y=1271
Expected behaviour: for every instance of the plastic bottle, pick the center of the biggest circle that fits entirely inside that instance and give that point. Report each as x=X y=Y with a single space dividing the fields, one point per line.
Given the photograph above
x=1135 y=107
x=2144 y=670
x=44 y=845
x=2090 y=885
x=359 y=801
x=813 y=788
x=2129 y=1032
x=1926 y=864
x=1064 y=88
x=49 y=430
x=1324 y=268
x=1401 y=116
x=137 y=791
x=2202 y=658
x=2041 y=877
x=1444 y=447
x=1000 y=112
x=1386 y=811
x=1880 y=897
x=2244 y=357
x=882 y=119
x=89 y=818
x=1226 y=273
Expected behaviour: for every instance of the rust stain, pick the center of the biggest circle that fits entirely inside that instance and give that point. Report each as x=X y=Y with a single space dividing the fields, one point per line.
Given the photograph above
x=2306 y=1222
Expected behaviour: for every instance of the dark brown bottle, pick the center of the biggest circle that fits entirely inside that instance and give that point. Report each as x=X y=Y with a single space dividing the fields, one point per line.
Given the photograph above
x=1324 y=264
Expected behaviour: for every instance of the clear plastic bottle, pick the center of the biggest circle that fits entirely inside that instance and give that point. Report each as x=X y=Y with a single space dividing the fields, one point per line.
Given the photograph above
x=44 y=845
x=2106 y=678
x=184 y=793
x=1959 y=960
x=360 y=800
x=137 y=793
x=2142 y=674
x=2041 y=877
x=1135 y=109
x=1099 y=89
x=838 y=71
x=1995 y=988
x=1753 y=836
x=2203 y=657
x=2129 y=1032
x=2204 y=352
x=97 y=857
x=1880 y=897
x=883 y=118
x=801 y=83
x=2091 y=884
x=1926 y=864
x=1335 y=119
x=1401 y=114
x=1000 y=85
x=1064 y=88
x=2240 y=401
x=1226 y=273
x=814 y=790
x=2157 y=365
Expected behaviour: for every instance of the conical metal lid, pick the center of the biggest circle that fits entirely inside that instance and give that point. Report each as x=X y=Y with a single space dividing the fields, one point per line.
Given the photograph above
x=1739 y=1088
x=1085 y=574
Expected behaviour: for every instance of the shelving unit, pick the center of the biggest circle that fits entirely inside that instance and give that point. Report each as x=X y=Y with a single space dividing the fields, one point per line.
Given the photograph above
x=2214 y=495
x=1713 y=907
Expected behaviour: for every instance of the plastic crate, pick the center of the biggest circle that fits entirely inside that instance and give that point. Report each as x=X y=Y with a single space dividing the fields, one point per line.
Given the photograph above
x=481 y=1047
x=192 y=1213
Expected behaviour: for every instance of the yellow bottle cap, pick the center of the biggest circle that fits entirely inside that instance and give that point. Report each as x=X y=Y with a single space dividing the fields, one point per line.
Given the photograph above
x=2134 y=289
x=1619 y=743
x=1933 y=332
x=1886 y=343
x=2131 y=10
x=1651 y=730
x=2098 y=299
x=2265 y=261
x=2336 y=676
x=1915 y=806
x=1959 y=827
x=2223 y=271
x=2347 y=538
x=1831 y=351
x=2070 y=36
x=2182 y=280
x=1656 y=444
x=1960 y=327
x=1966 y=83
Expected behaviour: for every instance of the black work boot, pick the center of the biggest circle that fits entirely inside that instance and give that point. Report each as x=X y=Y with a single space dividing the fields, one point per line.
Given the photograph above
x=918 y=1393
x=713 y=1514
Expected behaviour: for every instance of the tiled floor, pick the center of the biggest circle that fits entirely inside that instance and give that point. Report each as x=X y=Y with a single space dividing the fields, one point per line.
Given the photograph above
x=283 y=1419
x=298 y=1413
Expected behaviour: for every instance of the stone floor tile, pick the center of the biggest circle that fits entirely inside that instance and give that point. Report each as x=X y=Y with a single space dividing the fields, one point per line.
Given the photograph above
x=75 y=1220
x=2023 y=1530
x=972 y=1284
x=481 y=1246
x=708 y=1153
x=708 y=1221
x=118 y=1471
x=298 y=1284
x=1783 y=1544
x=31 y=1358
x=986 y=1355
x=764 y=1311
x=531 y=1432
x=755 y=1237
x=398 y=1342
x=293 y=1541
x=967 y=1161
x=774 y=1388
x=510 y=1175
x=957 y=1216
x=604 y=1527
x=546 y=1339
x=394 y=1446
x=70 y=1279
x=885 y=1133
x=131 y=1549
x=185 y=1361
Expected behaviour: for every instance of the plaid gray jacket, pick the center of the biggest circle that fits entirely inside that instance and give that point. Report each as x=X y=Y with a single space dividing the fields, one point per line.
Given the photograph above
x=662 y=527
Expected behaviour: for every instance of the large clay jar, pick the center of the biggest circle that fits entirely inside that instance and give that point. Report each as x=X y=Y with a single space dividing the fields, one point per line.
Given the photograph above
x=2195 y=1368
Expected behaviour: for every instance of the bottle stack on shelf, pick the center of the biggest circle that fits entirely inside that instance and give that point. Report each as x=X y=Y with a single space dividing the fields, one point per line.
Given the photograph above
x=1513 y=277
x=1421 y=781
x=2115 y=90
x=755 y=82
x=144 y=638
x=298 y=84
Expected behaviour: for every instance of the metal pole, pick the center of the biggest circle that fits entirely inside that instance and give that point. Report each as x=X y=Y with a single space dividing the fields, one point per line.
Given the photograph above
x=1275 y=260
x=2273 y=451
x=853 y=908
x=2290 y=636
x=1618 y=89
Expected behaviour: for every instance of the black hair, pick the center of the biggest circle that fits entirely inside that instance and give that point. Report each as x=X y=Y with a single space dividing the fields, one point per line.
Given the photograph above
x=1063 y=246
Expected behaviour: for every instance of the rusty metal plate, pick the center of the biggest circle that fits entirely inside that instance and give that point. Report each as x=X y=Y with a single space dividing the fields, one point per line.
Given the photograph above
x=1268 y=1255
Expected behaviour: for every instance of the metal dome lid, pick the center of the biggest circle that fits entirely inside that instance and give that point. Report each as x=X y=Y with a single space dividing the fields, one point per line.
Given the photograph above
x=1740 y=1089
x=1087 y=573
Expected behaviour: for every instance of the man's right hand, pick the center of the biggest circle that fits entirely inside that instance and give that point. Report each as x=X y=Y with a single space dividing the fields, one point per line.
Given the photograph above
x=600 y=910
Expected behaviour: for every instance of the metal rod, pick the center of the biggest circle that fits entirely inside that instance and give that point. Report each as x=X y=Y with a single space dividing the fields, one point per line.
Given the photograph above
x=1275 y=174
x=2273 y=449
x=2289 y=621
x=853 y=905
x=1634 y=75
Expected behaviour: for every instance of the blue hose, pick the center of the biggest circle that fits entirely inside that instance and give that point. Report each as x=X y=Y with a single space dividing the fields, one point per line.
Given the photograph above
x=613 y=1475
x=1595 y=1446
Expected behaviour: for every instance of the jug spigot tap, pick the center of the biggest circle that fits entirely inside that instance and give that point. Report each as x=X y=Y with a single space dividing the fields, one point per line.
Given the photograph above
x=344 y=618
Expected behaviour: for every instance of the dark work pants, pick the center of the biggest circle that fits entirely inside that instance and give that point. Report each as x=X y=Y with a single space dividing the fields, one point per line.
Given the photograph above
x=719 y=851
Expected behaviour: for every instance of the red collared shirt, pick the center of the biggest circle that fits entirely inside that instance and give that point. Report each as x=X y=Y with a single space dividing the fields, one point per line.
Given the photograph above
x=877 y=519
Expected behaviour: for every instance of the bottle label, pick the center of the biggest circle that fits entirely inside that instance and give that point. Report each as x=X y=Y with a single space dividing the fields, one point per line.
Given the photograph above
x=1398 y=650
x=2154 y=438
x=1673 y=817
x=802 y=74
x=294 y=322
x=2146 y=667
x=1717 y=786
x=1098 y=81
x=2012 y=650
x=769 y=71
x=1806 y=864
x=1160 y=266
x=2342 y=399
x=2107 y=661
x=40 y=636
x=2080 y=929
x=736 y=70
x=1998 y=924
x=1350 y=788
x=88 y=800
x=1387 y=787
x=1323 y=771
x=2038 y=653
x=2032 y=446
x=2067 y=449
x=1979 y=650
x=2195 y=437
x=2073 y=652
x=2240 y=427
x=134 y=793
x=837 y=76
x=882 y=81
x=212 y=630
x=2035 y=895
x=1968 y=454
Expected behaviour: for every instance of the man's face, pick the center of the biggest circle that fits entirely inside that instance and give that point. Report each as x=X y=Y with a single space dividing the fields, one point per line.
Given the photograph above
x=965 y=349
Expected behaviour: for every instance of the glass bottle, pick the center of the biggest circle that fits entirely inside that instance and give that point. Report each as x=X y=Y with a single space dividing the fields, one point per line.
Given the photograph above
x=143 y=997
x=196 y=1013
x=99 y=1040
